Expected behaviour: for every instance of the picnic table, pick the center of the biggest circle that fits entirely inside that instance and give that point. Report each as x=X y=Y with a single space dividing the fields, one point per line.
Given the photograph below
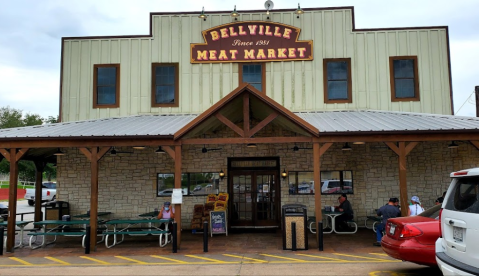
x=332 y=215
x=87 y=215
x=133 y=227
x=20 y=224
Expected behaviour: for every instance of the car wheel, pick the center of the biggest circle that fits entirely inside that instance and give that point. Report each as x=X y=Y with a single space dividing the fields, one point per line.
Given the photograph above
x=31 y=202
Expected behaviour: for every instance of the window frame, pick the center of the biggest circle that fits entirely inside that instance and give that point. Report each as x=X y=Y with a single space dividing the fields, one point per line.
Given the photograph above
x=325 y=81
x=95 y=88
x=177 y=84
x=393 y=79
x=263 y=74
x=186 y=177
x=295 y=191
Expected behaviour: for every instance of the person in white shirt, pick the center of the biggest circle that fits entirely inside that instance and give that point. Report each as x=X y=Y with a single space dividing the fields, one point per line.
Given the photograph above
x=415 y=208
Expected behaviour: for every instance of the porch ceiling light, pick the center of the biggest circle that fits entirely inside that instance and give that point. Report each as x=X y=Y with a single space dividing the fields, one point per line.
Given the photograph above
x=59 y=152
x=160 y=150
x=113 y=151
x=299 y=11
x=235 y=14
x=359 y=143
x=251 y=145
x=453 y=145
x=202 y=15
x=346 y=147
x=139 y=147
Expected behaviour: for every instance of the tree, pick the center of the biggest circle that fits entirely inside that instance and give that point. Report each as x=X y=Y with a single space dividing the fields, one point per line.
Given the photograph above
x=11 y=117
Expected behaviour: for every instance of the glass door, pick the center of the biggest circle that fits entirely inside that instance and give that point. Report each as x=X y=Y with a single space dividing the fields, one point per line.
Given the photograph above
x=254 y=199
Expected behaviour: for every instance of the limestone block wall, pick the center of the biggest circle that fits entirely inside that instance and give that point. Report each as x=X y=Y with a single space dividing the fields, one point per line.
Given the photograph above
x=127 y=182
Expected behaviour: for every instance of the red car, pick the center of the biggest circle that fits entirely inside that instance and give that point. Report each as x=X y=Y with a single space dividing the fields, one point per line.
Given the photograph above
x=413 y=238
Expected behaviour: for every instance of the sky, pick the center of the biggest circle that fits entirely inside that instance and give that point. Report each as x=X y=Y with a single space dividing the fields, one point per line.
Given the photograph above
x=31 y=32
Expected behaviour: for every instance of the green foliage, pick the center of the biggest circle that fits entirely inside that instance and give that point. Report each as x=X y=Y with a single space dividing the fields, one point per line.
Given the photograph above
x=10 y=117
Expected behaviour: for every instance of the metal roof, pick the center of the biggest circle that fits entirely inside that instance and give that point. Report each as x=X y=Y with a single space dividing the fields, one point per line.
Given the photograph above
x=386 y=121
x=325 y=121
x=141 y=125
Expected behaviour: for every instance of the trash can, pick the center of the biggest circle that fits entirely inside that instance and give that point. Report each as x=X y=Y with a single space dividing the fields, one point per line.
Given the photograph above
x=55 y=210
x=295 y=214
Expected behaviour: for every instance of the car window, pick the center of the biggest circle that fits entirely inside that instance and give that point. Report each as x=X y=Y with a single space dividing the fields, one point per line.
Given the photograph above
x=333 y=184
x=432 y=212
x=464 y=196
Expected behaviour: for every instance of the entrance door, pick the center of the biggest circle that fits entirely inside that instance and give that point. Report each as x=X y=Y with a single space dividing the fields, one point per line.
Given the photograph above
x=255 y=197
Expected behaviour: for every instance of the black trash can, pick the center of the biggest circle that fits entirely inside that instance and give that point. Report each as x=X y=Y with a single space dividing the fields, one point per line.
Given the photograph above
x=297 y=215
x=54 y=210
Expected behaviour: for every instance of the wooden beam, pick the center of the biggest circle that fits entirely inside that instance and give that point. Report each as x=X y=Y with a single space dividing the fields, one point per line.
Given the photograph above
x=102 y=152
x=178 y=186
x=39 y=169
x=87 y=153
x=324 y=148
x=170 y=152
x=93 y=197
x=263 y=123
x=410 y=146
x=20 y=153
x=229 y=124
x=246 y=115
x=393 y=147
x=6 y=154
x=475 y=143
x=317 y=185
x=402 y=178
x=257 y=140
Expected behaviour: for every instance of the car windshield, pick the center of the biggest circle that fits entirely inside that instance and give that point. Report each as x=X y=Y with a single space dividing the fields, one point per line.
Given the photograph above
x=49 y=185
x=432 y=212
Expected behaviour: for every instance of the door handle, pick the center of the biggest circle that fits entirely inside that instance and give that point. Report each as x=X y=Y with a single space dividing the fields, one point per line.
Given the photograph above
x=451 y=222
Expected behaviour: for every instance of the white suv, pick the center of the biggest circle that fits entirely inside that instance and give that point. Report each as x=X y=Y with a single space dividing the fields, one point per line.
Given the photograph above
x=457 y=249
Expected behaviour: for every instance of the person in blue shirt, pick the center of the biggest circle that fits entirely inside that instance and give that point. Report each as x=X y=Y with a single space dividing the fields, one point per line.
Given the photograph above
x=387 y=211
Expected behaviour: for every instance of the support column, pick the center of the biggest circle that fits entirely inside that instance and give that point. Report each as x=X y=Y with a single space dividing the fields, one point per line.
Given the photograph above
x=94 y=198
x=178 y=186
x=40 y=168
x=317 y=153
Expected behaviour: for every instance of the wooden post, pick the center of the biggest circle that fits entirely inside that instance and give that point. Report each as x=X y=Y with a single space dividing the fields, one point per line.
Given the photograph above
x=40 y=167
x=94 y=198
x=178 y=186
x=317 y=185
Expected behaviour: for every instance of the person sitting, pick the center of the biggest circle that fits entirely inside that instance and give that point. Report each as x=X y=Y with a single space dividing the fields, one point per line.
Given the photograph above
x=439 y=200
x=387 y=211
x=415 y=208
x=347 y=209
x=166 y=212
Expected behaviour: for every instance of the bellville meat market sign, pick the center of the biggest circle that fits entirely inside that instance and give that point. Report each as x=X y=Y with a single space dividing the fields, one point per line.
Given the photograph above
x=251 y=41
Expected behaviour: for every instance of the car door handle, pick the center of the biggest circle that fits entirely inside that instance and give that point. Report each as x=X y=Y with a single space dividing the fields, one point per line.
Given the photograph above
x=451 y=222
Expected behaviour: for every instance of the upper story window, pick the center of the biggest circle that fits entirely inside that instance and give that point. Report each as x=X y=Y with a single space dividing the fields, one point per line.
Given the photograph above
x=254 y=74
x=165 y=85
x=404 y=78
x=106 y=85
x=337 y=80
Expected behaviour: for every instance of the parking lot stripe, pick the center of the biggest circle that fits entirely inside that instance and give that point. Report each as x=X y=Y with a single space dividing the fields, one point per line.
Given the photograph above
x=130 y=259
x=379 y=254
x=285 y=258
x=20 y=261
x=322 y=257
x=367 y=258
x=57 y=260
x=94 y=260
x=208 y=259
x=168 y=259
x=246 y=258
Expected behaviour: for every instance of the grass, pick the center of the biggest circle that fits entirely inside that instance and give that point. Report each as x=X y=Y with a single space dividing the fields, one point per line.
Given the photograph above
x=3 y=186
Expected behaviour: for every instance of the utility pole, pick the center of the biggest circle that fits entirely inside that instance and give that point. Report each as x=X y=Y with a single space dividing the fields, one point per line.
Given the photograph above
x=477 y=100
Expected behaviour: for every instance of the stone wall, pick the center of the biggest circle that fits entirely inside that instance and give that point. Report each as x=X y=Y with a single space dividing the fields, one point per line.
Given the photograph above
x=127 y=182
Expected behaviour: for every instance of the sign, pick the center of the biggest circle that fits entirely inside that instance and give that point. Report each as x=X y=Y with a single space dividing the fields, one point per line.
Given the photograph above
x=218 y=223
x=251 y=41
x=254 y=163
x=177 y=196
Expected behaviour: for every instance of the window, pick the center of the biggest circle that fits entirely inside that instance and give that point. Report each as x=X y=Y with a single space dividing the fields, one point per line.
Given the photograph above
x=106 y=85
x=191 y=183
x=404 y=78
x=165 y=85
x=337 y=80
x=332 y=182
x=254 y=74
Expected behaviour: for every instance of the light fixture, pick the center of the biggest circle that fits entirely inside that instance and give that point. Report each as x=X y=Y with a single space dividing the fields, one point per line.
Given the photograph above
x=113 y=151
x=59 y=152
x=346 y=147
x=203 y=15
x=268 y=5
x=235 y=14
x=139 y=147
x=160 y=150
x=222 y=174
x=299 y=11
x=295 y=148
x=359 y=143
x=453 y=145
x=251 y=145
x=284 y=174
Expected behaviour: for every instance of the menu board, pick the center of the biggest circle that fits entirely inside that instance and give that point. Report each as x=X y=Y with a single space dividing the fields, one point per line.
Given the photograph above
x=218 y=223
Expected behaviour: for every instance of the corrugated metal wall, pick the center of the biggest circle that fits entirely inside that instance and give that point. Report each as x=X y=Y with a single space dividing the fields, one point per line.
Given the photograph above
x=297 y=85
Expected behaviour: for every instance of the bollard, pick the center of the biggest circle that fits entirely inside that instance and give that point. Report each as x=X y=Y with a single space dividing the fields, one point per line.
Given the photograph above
x=87 y=239
x=205 y=236
x=293 y=234
x=175 y=237
x=2 y=232
x=320 y=235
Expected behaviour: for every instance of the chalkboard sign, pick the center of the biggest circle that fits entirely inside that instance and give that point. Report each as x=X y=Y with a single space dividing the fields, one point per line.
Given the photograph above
x=218 y=223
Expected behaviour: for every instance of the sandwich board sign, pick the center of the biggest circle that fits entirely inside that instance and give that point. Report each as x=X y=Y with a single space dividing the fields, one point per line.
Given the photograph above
x=218 y=222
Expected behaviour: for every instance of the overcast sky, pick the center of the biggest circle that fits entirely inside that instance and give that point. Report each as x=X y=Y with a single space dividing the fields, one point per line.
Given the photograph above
x=31 y=32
